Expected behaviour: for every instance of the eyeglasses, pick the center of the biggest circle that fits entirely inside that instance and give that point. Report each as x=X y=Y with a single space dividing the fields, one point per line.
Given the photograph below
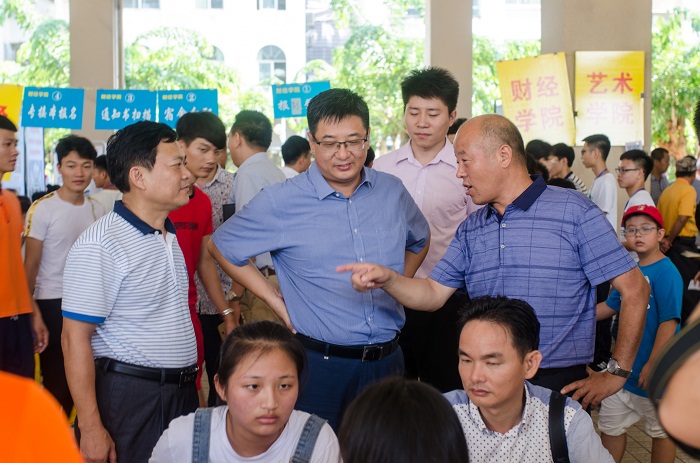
x=645 y=230
x=332 y=147
x=622 y=170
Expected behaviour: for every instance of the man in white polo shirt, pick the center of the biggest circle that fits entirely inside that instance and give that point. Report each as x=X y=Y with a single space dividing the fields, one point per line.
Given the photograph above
x=128 y=342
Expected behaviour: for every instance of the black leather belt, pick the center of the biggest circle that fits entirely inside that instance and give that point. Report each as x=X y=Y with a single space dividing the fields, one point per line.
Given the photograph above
x=180 y=376
x=366 y=353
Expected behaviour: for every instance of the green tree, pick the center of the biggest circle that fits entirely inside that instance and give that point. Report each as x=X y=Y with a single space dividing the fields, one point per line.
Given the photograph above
x=485 y=54
x=675 y=81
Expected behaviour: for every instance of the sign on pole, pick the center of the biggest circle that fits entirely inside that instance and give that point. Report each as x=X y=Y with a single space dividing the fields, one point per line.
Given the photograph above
x=53 y=108
x=291 y=100
x=115 y=109
x=609 y=95
x=172 y=104
x=536 y=97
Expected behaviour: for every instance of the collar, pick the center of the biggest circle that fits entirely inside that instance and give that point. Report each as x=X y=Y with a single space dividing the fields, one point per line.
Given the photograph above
x=218 y=177
x=121 y=209
x=479 y=420
x=257 y=157
x=446 y=154
x=323 y=189
x=527 y=198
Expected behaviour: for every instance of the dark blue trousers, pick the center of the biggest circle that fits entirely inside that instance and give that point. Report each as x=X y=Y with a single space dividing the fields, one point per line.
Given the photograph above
x=333 y=382
x=17 y=345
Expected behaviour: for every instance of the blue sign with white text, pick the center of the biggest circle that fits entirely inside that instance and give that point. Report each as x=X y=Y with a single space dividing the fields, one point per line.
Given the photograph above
x=115 y=109
x=53 y=108
x=172 y=104
x=291 y=100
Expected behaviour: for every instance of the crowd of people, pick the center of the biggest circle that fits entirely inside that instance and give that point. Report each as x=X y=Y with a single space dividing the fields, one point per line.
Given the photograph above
x=452 y=300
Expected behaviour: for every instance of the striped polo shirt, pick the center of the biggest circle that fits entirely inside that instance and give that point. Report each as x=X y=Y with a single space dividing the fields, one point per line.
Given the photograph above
x=131 y=281
x=550 y=248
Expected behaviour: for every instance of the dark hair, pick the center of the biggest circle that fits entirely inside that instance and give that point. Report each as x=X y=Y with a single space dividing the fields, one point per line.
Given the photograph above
x=25 y=203
x=254 y=127
x=561 y=183
x=334 y=105
x=431 y=82
x=258 y=338
x=696 y=120
x=101 y=162
x=370 y=157
x=294 y=148
x=514 y=314
x=538 y=149
x=535 y=167
x=201 y=124
x=7 y=124
x=81 y=145
x=600 y=142
x=640 y=159
x=456 y=125
x=659 y=154
x=135 y=145
x=561 y=151
x=401 y=420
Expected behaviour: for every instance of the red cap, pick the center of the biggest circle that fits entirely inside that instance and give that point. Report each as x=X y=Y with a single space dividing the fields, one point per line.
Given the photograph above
x=645 y=209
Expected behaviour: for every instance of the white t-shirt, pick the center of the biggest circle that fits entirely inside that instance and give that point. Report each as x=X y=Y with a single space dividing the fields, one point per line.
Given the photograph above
x=107 y=198
x=58 y=224
x=289 y=172
x=604 y=195
x=176 y=442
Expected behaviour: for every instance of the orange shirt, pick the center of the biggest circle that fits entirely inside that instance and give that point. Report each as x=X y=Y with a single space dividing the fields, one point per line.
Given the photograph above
x=32 y=425
x=15 y=299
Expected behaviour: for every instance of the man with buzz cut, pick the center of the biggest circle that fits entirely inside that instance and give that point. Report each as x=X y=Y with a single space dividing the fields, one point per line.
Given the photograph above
x=427 y=167
x=128 y=341
x=504 y=416
x=22 y=329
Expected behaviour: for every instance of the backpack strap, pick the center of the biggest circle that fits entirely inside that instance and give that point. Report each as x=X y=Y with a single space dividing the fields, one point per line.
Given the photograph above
x=200 y=435
x=307 y=440
x=557 y=432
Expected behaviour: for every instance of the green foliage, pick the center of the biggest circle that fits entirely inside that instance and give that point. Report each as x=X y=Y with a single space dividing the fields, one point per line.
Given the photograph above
x=485 y=54
x=675 y=81
x=372 y=63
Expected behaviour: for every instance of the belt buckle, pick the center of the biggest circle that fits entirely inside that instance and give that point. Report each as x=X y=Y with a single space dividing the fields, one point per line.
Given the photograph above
x=370 y=353
x=188 y=376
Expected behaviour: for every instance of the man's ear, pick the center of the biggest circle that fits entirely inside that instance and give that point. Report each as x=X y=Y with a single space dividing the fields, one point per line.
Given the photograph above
x=136 y=177
x=532 y=363
x=505 y=155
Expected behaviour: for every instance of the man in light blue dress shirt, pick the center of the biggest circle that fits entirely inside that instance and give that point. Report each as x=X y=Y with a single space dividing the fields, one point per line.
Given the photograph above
x=337 y=211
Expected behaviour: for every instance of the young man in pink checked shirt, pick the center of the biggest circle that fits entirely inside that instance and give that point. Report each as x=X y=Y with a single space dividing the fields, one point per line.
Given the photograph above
x=428 y=169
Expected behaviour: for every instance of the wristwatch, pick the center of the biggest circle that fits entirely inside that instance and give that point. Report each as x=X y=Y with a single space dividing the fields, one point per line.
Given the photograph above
x=614 y=369
x=233 y=297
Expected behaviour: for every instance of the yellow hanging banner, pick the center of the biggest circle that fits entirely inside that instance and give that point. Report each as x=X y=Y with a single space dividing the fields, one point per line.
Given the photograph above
x=10 y=105
x=610 y=95
x=536 y=97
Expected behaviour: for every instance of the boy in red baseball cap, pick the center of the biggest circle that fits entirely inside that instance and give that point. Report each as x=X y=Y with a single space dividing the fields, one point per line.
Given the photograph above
x=643 y=228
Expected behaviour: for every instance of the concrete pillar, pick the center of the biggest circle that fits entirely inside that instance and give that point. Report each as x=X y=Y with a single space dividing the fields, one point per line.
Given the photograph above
x=448 y=31
x=95 y=49
x=600 y=25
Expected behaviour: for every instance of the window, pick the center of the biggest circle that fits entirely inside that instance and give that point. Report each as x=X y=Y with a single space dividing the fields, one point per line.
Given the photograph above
x=272 y=63
x=209 y=4
x=272 y=4
x=141 y=4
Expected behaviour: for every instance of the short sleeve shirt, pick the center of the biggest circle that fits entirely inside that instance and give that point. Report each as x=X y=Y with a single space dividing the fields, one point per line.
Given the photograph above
x=551 y=248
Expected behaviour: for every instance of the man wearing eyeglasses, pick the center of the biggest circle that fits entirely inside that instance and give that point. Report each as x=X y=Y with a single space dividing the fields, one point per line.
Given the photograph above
x=335 y=211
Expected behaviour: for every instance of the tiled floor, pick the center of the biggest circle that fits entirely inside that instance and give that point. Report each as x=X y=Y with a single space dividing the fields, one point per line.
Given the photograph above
x=639 y=446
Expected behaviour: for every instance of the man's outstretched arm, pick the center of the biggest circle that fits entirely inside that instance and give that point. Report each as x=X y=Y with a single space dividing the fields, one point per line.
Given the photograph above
x=418 y=293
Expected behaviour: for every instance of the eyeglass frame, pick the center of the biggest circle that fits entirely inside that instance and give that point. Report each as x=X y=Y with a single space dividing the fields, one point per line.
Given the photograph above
x=623 y=170
x=628 y=231
x=339 y=143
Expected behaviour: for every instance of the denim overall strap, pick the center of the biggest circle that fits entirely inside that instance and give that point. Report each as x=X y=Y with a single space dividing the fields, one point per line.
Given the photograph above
x=307 y=440
x=200 y=435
